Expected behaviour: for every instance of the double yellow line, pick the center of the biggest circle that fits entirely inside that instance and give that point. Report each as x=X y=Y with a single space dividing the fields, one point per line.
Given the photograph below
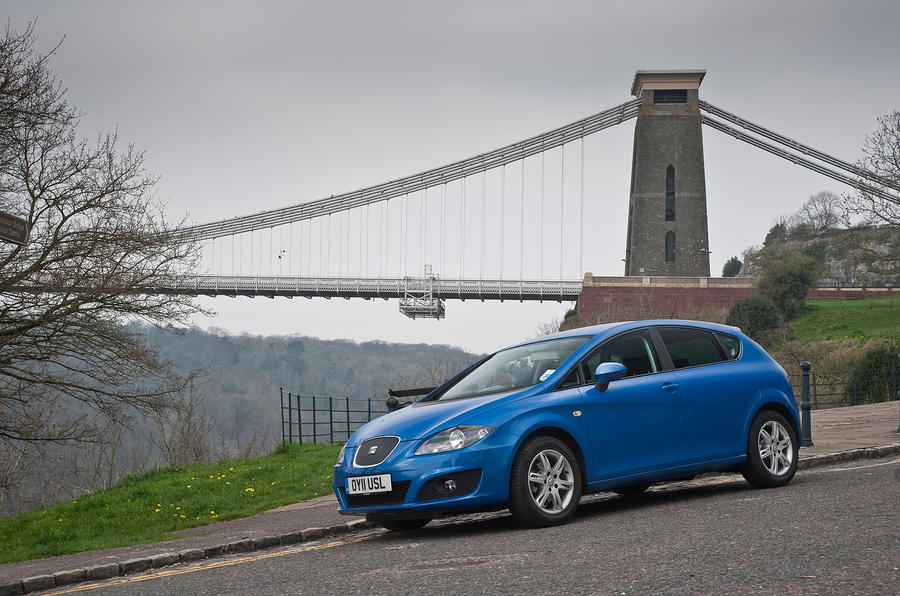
x=213 y=565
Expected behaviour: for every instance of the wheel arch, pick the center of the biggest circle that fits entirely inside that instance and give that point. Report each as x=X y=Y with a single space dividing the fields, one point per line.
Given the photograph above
x=779 y=407
x=565 y=437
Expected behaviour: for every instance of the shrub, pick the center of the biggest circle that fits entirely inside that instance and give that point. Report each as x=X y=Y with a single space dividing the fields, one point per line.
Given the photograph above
x=732 y=267
x=755 y=315
x=875 y=377
x=786 y=280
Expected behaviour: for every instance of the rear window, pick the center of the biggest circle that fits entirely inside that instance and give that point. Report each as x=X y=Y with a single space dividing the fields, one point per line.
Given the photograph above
x=731 y=344
x=691 y=347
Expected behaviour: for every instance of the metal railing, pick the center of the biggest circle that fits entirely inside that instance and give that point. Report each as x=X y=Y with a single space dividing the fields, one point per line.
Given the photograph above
x=325 y=419
x=830 y=389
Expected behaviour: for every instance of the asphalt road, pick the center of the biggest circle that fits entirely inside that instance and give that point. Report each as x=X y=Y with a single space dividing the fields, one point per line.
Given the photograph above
x=832 y=530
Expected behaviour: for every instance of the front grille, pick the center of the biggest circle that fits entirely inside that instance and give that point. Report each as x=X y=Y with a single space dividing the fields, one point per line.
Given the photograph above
x=395 y=497
x=466 y=482
x=374 y=451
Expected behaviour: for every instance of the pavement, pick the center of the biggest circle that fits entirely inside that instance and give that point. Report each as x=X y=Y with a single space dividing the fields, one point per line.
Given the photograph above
x=838 y=434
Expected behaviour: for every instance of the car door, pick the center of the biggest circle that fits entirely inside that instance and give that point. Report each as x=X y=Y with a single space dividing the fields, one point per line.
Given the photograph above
x=637 y=424
x=715 y=388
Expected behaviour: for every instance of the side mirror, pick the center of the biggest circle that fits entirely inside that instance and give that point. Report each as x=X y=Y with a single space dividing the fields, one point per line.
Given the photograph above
x=608 y=371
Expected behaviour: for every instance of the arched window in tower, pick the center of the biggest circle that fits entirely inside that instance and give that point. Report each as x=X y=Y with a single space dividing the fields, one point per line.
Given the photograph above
x=670 y=193
x=670 y=247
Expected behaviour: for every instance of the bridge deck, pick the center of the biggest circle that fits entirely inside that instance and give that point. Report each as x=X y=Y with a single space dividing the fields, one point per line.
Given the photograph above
x=368 y=288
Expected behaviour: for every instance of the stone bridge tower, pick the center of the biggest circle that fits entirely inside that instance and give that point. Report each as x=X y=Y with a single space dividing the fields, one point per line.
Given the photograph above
x=667 y=224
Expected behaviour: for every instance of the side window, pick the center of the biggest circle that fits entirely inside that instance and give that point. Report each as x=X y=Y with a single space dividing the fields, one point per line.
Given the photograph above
x=572 y=380
x=690 y=347
x=635 y=350
x=731 y=344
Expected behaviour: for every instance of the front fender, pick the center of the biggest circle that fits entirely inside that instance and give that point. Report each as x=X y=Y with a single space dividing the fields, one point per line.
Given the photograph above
x=557 y=414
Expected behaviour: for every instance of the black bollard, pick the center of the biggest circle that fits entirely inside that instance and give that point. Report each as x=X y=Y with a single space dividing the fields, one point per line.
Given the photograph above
x=806 y=439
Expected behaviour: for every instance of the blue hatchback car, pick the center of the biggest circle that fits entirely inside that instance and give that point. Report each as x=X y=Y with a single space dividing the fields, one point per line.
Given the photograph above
x=612 y=407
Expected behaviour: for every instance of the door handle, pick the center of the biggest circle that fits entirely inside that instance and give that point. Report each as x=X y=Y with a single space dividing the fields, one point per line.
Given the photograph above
x=670 y=387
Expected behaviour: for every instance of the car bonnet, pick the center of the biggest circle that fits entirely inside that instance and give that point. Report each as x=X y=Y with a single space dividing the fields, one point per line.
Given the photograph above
x=423 y=419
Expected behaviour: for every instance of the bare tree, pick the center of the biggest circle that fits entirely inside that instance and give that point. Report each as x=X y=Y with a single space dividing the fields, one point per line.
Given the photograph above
x=98 y=236
x=548 y=327
x=881 y=156
x=822 y=211
x=432 y=373
x=184 y=435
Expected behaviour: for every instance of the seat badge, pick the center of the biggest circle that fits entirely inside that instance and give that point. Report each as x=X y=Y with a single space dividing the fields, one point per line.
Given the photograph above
x=373 y=449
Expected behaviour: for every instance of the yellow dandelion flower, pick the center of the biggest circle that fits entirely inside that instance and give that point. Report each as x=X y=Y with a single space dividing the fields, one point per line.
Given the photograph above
x=178 y=509
x=228 y=483
x=158 y=505
x=231 y=469
x=212 y=512
x=59 y=520
x=192 y=478
x=182 y=516
x=210 y=476
x=273 y=484
x=156 y=510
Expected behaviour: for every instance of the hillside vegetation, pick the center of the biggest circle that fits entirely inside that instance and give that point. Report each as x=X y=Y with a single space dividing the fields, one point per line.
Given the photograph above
x=847 y=319
x=235 y=412
x=148 y=508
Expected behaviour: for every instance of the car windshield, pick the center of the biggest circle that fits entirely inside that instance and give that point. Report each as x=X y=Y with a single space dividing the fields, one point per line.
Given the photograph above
x=515 y=368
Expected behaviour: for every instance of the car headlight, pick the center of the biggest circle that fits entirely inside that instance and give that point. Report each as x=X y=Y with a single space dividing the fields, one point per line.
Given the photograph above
x=451 y=439
x=341 y=454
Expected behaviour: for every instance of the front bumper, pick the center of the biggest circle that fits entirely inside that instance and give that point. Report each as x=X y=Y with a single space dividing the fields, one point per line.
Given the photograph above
x=412 y=493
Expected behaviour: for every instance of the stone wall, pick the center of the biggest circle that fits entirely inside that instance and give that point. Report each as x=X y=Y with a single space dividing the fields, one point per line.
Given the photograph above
x=673 y=296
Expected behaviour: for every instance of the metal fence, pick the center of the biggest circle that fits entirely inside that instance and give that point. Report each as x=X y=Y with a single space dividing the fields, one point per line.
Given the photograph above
x=324 y=419
x=828 y=389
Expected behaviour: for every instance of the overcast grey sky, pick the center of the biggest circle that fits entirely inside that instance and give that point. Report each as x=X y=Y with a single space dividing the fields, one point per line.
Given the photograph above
x=243 y=106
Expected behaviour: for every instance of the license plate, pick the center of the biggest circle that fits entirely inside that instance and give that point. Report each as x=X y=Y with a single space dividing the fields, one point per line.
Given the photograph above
x=363 y=485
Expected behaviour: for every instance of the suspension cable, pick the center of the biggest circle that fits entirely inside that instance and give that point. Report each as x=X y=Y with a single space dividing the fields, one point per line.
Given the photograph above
x=562 y=196
x=483 y=187
x=502 y=215
x=462 y=229
x=443 y=225
x=541 y=218
x=394 y=188
x=720 y=126
x=581 y=216
x=522 y=225
x=805 y=149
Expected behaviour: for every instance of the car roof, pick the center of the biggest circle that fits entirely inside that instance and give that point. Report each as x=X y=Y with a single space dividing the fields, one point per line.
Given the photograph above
x=610 y=329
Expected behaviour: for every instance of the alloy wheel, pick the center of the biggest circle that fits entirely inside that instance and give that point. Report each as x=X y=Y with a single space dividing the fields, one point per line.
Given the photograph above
x=551 y=481
x=775 y=447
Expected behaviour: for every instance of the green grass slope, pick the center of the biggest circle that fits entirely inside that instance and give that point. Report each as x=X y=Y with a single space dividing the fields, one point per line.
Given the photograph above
x=146 y=508
x=847 y=319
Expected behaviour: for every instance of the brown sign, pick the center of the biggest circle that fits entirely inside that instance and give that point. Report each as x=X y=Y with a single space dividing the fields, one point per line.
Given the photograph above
x=13 y=229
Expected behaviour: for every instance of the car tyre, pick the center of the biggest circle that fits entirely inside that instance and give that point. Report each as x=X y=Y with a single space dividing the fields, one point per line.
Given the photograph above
x=771 y=451
x=545 y=483
x=401 y=525
x=634 y=489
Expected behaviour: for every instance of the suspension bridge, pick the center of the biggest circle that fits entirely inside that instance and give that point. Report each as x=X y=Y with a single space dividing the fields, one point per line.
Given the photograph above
x=507 y=224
